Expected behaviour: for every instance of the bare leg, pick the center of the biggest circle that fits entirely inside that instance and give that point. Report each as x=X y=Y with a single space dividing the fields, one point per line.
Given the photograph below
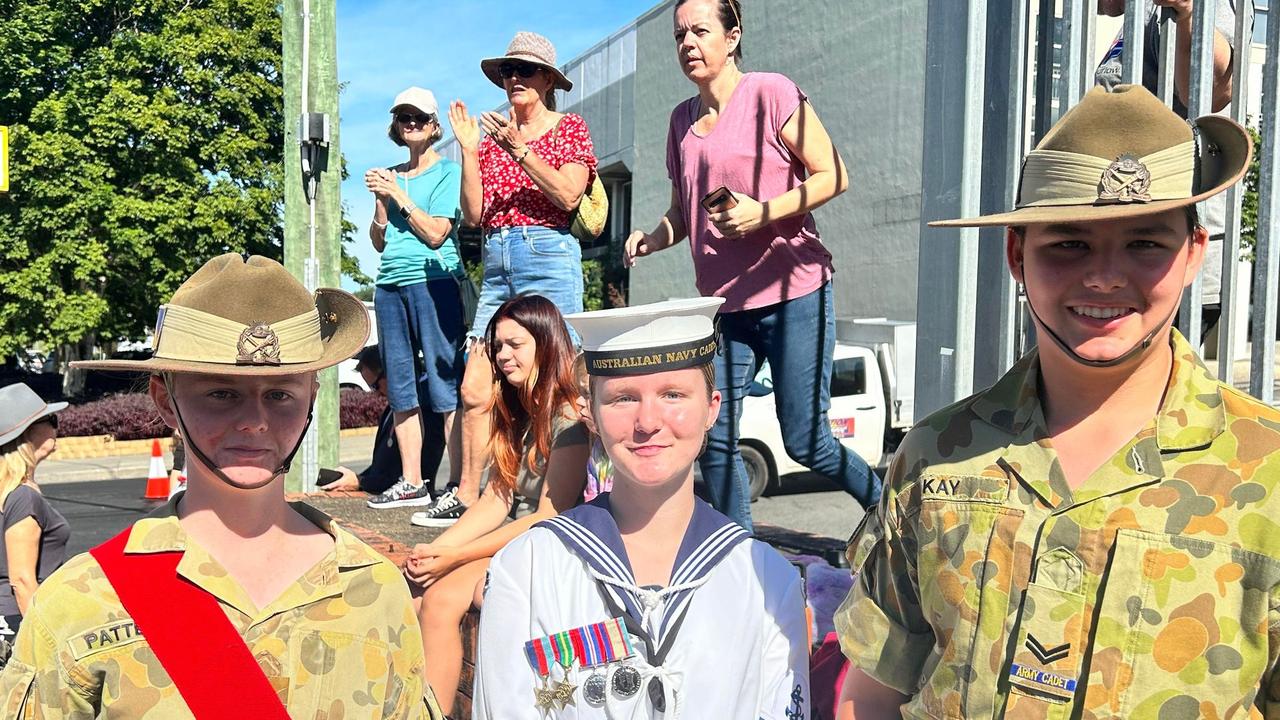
x=440 y=614
x=409 y=438
x=477 y=390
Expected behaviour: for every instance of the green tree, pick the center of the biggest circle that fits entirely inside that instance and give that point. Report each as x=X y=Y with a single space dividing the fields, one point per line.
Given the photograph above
x=1249 y=203
x=147 y=137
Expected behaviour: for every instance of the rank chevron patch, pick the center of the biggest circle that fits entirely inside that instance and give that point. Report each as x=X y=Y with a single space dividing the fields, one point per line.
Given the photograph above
x=1047 y=655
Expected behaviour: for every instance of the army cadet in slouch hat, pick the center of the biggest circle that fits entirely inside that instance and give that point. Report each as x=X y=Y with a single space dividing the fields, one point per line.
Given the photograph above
x=1094 y=536
x=229 y=602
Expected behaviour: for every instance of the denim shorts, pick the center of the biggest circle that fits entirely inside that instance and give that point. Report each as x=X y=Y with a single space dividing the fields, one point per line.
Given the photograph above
x=529 y=259
x=420 y=339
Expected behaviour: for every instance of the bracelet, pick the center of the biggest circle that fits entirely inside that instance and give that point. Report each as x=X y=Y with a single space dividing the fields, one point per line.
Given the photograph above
x=380 y=226
x=520 y=159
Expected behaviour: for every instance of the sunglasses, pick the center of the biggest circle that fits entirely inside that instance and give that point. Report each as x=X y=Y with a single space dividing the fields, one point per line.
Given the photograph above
x=523 y=69
x=406 y=118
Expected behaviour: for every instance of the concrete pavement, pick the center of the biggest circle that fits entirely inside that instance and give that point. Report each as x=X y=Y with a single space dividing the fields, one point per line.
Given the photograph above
x=101 y=496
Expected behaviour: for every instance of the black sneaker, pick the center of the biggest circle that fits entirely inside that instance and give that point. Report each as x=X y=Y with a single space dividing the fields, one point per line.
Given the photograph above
x=444 y=512
x=402 y=494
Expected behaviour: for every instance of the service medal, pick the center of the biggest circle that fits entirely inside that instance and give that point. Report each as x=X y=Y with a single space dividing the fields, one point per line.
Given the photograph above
x=563 y=692
x=594 y=689
x=626 y=681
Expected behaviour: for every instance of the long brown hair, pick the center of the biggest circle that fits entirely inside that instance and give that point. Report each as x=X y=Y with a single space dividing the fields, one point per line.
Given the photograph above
x=529 y=410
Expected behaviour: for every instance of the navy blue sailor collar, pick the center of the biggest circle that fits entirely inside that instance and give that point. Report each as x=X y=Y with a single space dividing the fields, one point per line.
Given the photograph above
x=590 y=532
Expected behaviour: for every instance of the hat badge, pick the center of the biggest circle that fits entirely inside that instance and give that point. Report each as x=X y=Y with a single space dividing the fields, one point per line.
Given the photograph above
x=258 y=345
x=1126 y=180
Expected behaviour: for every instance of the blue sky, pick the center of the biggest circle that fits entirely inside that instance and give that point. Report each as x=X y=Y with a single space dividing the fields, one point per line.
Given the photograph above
x=385 y=46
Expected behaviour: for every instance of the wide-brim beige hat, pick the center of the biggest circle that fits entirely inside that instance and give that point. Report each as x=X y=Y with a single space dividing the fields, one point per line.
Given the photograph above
x=531 y=48
x=241 y=315
x=1119 y=154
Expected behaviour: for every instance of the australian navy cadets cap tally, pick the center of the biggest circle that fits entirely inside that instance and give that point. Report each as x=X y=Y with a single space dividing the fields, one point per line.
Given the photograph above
x=653 y=338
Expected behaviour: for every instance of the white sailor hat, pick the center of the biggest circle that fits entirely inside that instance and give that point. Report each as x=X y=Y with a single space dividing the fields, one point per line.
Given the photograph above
x=653 y=338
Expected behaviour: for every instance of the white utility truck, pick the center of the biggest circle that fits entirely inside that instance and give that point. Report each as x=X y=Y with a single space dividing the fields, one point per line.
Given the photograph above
x=872 y=401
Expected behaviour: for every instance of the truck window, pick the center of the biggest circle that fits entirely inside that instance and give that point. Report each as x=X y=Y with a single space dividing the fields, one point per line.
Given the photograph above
x=848 y=377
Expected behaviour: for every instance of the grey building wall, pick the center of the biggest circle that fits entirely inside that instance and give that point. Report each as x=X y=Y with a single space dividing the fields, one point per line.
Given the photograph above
x=862 y=65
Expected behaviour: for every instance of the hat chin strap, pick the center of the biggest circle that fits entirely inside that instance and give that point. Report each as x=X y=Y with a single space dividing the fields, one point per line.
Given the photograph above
x=1137 y=349
x=190 y=442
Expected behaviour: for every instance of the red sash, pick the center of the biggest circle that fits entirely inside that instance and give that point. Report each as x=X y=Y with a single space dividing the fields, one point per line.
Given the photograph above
x=216 y=676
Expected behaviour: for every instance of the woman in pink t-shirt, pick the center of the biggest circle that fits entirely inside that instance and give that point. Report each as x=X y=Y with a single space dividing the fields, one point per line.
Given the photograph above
x=756 y=135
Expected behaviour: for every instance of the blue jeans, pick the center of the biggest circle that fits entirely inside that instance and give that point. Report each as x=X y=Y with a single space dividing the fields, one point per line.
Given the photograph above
x=529 y=259
x=798 y=338
x=424 y=318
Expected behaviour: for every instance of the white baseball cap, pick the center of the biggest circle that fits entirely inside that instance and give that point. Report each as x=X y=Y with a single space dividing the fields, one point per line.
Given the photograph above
x=416 y=97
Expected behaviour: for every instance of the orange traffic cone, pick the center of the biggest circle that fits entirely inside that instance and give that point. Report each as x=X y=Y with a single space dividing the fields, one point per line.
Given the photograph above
x=157 y=478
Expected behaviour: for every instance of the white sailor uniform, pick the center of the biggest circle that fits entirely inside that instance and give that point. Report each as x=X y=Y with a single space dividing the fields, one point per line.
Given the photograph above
x=726 y=640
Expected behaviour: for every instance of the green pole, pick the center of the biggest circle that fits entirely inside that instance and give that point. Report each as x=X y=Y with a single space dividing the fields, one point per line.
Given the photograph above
x=309 y=31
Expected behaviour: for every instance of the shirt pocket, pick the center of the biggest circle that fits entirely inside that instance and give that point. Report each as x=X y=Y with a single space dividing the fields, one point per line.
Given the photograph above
x=17 y=693
x=1182 y=628
x=339 y=675
x=964 y=569
x=1045 y=671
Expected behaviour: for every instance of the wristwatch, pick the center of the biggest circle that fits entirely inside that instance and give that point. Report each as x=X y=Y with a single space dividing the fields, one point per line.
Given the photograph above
x=407 y=210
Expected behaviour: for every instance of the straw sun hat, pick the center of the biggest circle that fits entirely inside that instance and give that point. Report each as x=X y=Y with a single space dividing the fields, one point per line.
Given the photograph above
x=531 y=48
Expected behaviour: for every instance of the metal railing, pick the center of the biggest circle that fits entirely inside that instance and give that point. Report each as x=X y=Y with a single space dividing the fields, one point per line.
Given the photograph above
x=1024 y=63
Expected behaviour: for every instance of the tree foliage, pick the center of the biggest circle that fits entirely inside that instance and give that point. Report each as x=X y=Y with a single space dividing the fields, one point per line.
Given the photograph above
x=146 y=137
x=1249 y=203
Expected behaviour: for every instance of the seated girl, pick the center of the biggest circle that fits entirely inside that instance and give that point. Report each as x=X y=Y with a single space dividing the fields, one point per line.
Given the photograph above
x=539 y=451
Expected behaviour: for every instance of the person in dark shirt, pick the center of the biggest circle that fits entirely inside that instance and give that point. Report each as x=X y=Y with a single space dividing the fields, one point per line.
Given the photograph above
x=385 y=467
x=33 y=535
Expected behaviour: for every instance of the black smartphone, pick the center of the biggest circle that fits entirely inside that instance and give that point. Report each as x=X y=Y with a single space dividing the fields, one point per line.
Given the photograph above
x=719 y=200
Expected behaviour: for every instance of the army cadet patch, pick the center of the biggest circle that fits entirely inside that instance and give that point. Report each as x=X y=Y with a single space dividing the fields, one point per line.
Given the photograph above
x=104 y=637
x=1052 y=683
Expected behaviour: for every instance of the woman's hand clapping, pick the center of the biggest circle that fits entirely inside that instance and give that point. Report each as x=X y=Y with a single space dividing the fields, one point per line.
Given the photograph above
x=381 y=182
x=465 y=128
x=503 y=131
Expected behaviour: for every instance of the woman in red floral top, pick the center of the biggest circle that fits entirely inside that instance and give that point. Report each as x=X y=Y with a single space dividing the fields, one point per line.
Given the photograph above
x=523 y=174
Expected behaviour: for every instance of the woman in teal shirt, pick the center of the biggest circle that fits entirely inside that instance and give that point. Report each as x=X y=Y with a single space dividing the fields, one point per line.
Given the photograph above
x=416 y=299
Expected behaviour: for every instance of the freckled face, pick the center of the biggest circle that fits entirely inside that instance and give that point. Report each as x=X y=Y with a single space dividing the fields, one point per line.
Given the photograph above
x=652 y=426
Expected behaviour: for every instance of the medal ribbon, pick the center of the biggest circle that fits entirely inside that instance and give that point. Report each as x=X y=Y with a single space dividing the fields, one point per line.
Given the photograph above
x=537 y=657
x=590 y=645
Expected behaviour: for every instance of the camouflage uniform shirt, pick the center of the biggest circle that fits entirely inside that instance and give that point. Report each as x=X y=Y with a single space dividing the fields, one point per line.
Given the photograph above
x=987 y=588
x=341 y=642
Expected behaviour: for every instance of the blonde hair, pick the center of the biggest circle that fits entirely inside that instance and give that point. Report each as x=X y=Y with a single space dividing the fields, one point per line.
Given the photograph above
x=17 y=463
